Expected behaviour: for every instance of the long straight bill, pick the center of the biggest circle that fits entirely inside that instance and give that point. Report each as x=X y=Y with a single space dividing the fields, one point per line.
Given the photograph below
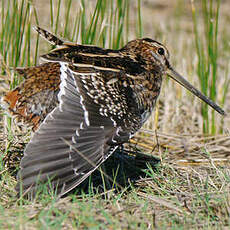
x=178 y=78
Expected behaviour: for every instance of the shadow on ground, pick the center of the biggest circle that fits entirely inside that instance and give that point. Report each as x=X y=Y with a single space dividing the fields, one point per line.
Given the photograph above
x=125 y=166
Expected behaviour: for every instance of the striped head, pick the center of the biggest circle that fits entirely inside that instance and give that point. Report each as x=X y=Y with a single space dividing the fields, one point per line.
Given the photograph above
x=150 y=53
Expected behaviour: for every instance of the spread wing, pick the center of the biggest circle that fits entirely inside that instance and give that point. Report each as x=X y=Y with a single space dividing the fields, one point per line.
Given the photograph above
x=75 y=138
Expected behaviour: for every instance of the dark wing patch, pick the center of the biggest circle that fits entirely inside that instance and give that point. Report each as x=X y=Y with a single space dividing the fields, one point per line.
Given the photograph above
x=65 y=149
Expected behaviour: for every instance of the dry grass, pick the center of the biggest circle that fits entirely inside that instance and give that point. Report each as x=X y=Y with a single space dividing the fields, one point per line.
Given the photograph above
x=189 y=189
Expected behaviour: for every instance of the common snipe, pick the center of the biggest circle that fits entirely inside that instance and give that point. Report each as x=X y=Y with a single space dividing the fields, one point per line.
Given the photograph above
x=83 y=103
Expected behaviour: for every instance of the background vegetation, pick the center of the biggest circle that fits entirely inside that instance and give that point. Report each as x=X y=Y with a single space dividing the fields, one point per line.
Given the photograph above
x=190 y=187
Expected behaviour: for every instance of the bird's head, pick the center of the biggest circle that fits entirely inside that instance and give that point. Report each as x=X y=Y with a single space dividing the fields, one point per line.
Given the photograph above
x=155 y=57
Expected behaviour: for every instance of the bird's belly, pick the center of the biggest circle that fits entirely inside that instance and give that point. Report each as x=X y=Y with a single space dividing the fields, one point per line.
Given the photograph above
x=145 y=115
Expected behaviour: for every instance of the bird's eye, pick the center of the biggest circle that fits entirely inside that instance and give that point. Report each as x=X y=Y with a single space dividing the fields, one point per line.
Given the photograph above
x=161 y=51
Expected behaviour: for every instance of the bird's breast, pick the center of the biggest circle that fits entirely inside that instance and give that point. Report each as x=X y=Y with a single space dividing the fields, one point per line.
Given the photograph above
x=147 y=92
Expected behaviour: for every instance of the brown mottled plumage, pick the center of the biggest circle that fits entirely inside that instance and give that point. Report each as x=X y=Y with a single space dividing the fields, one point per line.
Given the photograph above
x=35 y=97
x=84 y=102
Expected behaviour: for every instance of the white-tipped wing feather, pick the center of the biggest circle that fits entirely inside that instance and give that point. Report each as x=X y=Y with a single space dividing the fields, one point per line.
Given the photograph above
x=70 y=144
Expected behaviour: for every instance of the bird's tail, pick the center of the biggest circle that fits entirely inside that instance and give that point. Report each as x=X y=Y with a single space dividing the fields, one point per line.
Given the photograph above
x=51 y=38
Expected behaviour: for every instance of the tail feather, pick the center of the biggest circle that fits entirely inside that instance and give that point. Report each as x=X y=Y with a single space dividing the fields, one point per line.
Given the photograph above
x=49 y=36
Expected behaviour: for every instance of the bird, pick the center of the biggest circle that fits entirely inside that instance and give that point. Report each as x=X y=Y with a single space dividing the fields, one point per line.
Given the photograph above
x=83 y=102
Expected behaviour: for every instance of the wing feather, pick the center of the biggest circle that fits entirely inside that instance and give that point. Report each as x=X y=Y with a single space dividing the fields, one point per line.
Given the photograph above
x=65 y=150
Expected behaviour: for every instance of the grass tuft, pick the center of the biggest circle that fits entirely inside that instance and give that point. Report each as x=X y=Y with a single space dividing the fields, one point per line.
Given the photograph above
x=206 y=40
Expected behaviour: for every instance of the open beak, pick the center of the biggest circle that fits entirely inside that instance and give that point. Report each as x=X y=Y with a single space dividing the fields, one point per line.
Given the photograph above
x=177 y=77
